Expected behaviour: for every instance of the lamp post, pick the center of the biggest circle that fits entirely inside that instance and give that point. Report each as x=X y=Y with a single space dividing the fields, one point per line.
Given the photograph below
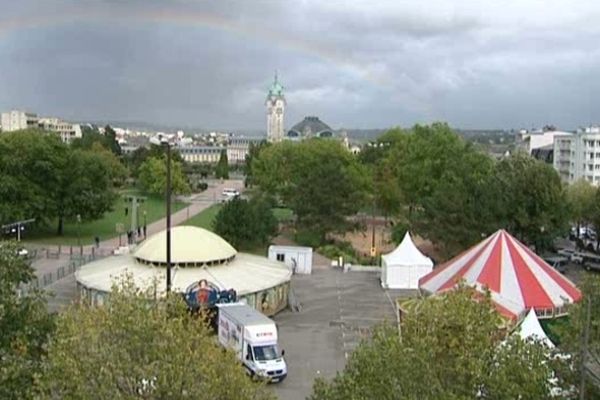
x=79 y=233
x=168 y=200
x=163 y=141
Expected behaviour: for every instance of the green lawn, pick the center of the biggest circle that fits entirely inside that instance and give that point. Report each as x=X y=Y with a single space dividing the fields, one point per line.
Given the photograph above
x=104 y=228
x=283 y=214
x=205 y=218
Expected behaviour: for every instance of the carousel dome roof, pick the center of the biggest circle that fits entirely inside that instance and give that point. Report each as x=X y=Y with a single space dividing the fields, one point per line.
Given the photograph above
x=190 y=246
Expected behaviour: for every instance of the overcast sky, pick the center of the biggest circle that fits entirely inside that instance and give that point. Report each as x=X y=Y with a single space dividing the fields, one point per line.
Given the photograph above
x=361 y=64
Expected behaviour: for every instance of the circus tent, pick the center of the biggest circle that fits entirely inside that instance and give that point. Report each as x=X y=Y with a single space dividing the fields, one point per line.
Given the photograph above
x=517 y=278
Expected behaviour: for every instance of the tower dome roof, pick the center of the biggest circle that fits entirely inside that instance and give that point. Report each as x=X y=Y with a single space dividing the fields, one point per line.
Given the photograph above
x=310 y=127
x=190 y=245
x=276 y=88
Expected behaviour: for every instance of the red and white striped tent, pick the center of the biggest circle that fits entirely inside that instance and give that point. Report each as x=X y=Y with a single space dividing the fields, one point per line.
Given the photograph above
x=517 y=278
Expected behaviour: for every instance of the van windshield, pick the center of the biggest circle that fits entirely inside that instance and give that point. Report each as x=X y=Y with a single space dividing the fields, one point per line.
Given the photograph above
x=266 y=353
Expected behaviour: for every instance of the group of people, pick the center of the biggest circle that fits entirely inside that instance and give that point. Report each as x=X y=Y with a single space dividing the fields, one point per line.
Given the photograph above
x=132 y=234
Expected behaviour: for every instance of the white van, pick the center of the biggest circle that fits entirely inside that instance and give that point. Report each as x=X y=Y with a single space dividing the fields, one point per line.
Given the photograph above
x=229 y=194
x=253 y=337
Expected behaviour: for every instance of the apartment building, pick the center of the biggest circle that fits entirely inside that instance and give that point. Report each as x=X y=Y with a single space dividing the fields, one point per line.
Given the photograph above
x=66 y=130
x=577 y=156
x=16 y=120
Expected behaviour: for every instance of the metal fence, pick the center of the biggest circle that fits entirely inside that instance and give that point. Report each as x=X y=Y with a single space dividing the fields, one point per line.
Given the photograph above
x=73 y=263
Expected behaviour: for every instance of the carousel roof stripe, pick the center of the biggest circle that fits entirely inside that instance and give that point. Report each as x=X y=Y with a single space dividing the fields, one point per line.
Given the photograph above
x=444 y=272
x=517 y=278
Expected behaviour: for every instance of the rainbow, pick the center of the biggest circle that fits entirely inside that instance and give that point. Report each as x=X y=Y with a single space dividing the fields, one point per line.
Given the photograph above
x=193 y=19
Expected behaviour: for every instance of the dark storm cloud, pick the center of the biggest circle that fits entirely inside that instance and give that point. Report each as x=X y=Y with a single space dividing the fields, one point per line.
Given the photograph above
x=355 y=64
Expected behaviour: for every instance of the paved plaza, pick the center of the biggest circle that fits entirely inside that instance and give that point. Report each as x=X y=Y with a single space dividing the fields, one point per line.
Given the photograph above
x=338 y=309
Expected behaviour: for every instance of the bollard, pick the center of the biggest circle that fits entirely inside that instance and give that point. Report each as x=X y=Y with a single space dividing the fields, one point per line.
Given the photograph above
x=59 y=249
x=71 y=251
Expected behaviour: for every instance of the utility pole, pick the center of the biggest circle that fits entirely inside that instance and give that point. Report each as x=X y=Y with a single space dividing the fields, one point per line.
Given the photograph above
x=168 y=200
x=584 y=348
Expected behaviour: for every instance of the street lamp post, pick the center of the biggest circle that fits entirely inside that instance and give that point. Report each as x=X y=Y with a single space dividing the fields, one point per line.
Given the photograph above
x=168 y=200
x=79 y=233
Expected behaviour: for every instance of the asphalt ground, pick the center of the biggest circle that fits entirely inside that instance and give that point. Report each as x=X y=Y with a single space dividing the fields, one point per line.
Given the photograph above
x=338 y=310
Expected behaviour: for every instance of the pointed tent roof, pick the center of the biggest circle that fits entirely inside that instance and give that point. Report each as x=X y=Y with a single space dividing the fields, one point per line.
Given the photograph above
x=531 y=328
x=517 y=278
x=407 y=254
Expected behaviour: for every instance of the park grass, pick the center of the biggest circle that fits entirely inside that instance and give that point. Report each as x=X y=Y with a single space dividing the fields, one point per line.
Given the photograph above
x=104 y=228
x=283 y=214
x=205 y=218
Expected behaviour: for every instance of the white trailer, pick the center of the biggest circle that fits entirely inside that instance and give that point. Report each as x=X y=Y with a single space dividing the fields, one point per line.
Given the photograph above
x=253 y=337
x=298 y=258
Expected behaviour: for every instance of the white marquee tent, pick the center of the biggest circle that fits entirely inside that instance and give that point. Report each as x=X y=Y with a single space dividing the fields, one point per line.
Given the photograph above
x=403 y=267
x=531 y=328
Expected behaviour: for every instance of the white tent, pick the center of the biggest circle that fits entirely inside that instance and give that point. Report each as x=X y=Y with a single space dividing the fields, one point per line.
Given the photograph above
x=531 y=328
x=403 y=267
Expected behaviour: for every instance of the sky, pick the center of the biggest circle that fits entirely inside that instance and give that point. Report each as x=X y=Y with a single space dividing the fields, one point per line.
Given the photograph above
x=355 y=64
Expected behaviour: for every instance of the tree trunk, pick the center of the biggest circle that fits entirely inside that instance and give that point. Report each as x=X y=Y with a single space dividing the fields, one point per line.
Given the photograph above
x=60 y=229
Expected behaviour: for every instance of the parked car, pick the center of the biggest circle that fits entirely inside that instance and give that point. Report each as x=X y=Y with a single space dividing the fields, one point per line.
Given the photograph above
x=591 y=261
x=573 y=255
x=559 y=263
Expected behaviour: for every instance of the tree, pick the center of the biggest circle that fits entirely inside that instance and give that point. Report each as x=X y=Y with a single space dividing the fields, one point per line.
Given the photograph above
x=136 y=158
x=25 y=326
x=253 y=152
x=111 y=140
x=222 y=168
x=153 y=177
x=318 y=179
x=29 y=165
x=45 y=179
x=581 y=198
x=86 y=181
x=140 y=347
x=91 y=136
x=450 y=348
x=533 y=202
x=434 y=182
x=246 y=224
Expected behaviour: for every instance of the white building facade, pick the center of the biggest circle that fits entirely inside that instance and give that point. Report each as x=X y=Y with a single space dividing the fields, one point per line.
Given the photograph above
x=201 y=154
x=538 y=139
x=239 y=147
x=16 y=120
x=577 y=156
x=66 y=130
x=275 y=111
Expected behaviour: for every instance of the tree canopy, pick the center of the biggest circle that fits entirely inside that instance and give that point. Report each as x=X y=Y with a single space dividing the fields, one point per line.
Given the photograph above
x=25 y=326
x=152 y=176
x=581 y=198
x=45 y=179
x=137 y=347
x=532 y=199
x=318 y=179
x=246 y=224
x=450 y=347
x=437 y=184
x=222 y=168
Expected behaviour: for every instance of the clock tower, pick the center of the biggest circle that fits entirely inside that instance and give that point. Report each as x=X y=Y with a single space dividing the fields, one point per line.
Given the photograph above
x=275 y=108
